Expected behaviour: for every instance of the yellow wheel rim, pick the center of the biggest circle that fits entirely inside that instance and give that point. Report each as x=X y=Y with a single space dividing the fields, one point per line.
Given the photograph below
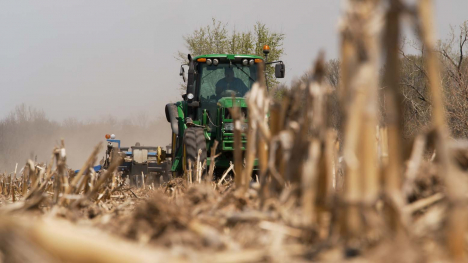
x=159 y=155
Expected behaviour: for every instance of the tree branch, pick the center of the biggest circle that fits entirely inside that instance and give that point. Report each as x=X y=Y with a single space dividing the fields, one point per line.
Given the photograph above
x=462 y=43
x=445 y=54
x=413 y=62
x=421 y=96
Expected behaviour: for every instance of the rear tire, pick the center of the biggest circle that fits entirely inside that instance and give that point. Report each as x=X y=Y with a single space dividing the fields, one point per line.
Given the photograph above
x=194 y=140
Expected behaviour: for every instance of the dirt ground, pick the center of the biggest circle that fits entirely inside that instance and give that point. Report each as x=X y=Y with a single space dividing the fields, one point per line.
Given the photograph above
x=208 y=221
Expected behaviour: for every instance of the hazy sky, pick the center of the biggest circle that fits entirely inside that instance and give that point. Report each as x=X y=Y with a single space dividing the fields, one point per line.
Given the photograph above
x=87 y=59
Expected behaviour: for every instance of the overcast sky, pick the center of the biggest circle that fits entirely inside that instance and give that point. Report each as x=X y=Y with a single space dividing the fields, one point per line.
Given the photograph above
x=87 y=59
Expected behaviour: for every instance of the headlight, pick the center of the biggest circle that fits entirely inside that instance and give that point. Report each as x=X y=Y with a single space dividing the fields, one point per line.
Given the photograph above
x=229 y=126
x=209 y=62
x=215 y=62
x=245 y=62
x=251 y=62
x=190 y=96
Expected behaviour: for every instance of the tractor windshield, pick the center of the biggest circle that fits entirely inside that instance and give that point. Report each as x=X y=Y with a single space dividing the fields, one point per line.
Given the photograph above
x=225 y=80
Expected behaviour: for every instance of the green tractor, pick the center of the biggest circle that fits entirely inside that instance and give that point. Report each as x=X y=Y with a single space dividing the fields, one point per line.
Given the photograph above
x=215 y=83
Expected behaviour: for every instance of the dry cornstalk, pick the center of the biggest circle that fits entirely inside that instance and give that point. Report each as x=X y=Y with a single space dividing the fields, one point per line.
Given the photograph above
x=309 y=183
x=49 y=167
x=85 y=168
x=114 y=181
x=225 y=174
x=423 y=203
x=457 y=224
x=12 y=191
x=189 y=172
x=60 y=157
x=276 y=153
x=24 y=179
x=250 y=151
x=213 y=160
x=72 y=244
x=326 y=189
x=203 y=167
x=261 y=103
x=414 y=163
x=236 y=118
x=198 y=167
x=103 y=178
x=34 y=175
x=394 y=170
x=2 y=185
x=16 y=169
x=313 y=180
x=360 y=80
x=8 y=186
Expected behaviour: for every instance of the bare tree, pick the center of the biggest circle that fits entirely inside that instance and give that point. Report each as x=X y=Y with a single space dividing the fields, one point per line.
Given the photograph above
x=454 y=75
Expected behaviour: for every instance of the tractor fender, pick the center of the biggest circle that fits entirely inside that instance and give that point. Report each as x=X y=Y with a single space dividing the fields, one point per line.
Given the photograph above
x=171 y=116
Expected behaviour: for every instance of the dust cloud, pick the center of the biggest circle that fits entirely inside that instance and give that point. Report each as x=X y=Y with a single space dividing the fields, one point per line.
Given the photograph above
x=27 y=133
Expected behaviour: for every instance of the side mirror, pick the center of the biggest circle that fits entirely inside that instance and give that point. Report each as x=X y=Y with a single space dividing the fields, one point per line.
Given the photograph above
x=182 y=72
x=280 y=70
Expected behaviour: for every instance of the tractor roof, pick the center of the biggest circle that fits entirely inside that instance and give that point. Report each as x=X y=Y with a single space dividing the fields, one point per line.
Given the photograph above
x=227 y=56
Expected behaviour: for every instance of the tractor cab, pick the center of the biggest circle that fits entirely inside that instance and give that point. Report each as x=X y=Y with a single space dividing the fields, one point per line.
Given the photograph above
x=215 y=83
x=224 y=79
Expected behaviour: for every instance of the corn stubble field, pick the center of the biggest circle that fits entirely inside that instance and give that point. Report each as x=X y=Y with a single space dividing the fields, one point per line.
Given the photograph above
x=359 y=194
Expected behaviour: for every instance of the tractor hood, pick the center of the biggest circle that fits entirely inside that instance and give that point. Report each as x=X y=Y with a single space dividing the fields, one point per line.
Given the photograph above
x=229 y=102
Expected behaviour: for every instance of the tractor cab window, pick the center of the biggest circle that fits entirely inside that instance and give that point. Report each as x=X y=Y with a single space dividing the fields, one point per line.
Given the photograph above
x=224 y=80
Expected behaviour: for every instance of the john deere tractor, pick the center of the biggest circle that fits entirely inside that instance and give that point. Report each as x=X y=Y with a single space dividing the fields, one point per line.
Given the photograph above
x=215 y=83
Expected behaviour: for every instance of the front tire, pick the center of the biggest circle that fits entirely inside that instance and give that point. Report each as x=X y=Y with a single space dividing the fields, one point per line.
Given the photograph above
x=194 y=140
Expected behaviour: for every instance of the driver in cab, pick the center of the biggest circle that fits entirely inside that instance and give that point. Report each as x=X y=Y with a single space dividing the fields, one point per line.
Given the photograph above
x=230 y=83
